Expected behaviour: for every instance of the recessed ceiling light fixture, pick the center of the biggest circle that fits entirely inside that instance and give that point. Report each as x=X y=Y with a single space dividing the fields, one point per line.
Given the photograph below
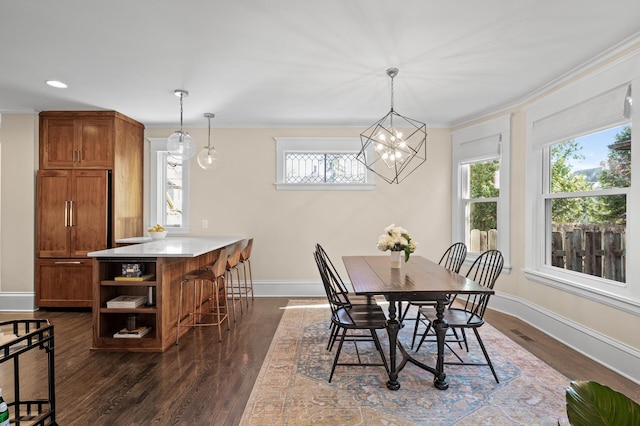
x=56 y=84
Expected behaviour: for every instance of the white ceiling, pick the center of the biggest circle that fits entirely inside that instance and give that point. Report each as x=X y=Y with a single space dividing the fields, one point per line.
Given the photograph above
x=258 y=63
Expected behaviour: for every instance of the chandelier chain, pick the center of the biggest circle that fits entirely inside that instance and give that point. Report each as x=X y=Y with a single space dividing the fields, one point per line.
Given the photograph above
x=181 y=95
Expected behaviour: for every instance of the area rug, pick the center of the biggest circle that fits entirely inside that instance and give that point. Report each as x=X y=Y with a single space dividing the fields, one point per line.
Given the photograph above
x=292 y=386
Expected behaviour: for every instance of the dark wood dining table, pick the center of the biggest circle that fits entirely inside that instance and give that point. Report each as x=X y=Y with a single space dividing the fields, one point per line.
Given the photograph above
x=417 y=279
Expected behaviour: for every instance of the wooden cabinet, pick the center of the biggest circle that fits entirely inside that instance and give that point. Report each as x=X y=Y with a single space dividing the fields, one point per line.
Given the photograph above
x=72 y=213
x=63 y=282
x=89 y=194
x=77 y=142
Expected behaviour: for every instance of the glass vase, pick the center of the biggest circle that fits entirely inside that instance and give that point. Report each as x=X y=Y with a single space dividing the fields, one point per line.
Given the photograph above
x=396 y=259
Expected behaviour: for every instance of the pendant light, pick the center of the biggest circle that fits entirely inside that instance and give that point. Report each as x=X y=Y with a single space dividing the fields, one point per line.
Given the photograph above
x=208 y=157
x=180 y=144
x=399 y=144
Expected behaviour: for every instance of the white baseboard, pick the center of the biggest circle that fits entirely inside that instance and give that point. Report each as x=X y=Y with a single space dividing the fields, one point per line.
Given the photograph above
x=308 y=288
x=17 y=302
x=613 y=354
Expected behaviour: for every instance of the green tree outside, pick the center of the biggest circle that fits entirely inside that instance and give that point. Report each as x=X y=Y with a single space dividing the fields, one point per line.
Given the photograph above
x=483 y=215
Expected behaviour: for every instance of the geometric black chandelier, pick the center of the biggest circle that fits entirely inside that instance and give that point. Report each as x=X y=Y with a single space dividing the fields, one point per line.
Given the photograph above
x=399 y=144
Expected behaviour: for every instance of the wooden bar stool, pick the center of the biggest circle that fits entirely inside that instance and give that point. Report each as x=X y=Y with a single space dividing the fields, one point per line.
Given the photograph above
x=234 y=291
x=206 y=285
x=245 y=255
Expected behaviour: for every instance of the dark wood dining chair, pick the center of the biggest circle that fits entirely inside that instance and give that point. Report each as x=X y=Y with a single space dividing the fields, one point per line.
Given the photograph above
x=485 y=271
x=349 y=321
x=452 y=259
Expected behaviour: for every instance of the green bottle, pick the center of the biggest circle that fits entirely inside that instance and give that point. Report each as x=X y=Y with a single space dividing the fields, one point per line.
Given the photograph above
x=4 y=411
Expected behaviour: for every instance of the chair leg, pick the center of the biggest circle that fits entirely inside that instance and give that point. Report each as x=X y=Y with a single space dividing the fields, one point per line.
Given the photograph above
x=335 y=359
x=376 y=340
x=424 y=336
x=248 y=285
x=229 y=286
x=486 y=355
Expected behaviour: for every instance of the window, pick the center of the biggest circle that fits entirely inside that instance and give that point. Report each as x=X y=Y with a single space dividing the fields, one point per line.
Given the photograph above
x=481 y=200
x=169 y=184
x=579 y=198
x=586 y=203
x=320 y=163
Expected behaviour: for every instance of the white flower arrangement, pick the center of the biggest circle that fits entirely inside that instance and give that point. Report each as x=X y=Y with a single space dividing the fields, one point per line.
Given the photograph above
x=396 y=238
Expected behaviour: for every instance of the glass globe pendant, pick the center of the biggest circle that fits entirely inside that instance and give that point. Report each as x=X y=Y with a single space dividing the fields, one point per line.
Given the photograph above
x=208 y=157
x=180 y=144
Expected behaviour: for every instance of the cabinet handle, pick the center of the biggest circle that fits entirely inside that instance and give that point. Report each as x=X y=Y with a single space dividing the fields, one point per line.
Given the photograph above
x=66 y=214
x=69 y=262
x=70 y=213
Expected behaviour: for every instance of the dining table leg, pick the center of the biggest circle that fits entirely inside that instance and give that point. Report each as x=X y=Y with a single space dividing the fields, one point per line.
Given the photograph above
x=440 y=326
x=393 y=326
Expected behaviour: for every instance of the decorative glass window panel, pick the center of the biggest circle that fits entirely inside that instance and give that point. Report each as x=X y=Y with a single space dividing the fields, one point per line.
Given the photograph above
x=301 y=167
x=321 y=164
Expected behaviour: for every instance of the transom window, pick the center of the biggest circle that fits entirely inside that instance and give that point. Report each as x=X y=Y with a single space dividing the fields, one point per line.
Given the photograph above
x=320 y=164
x=302 y=167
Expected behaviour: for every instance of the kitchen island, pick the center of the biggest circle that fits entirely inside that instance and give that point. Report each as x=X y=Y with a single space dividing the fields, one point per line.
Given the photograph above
x=163 y=265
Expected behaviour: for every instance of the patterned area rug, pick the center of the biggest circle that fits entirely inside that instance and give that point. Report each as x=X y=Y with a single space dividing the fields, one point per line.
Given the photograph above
x=292 y=387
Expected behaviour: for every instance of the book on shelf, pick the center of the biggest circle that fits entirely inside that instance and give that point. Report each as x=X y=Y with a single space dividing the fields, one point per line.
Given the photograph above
x=127 y=301
x=125 y=333
x=140 y=278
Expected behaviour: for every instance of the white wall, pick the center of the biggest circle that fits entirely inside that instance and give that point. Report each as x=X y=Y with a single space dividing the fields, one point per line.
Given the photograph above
x=240 y=199
x=18 y=157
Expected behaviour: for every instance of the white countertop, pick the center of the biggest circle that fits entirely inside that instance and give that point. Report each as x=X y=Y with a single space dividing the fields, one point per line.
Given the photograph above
x=169 y=247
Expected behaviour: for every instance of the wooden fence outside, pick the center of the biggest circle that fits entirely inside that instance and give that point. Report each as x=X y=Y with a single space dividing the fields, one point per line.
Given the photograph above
x=591 y=249
x=480 y=241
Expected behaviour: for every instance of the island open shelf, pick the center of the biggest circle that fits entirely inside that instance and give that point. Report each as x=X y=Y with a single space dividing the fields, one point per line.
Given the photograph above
x=165 y=265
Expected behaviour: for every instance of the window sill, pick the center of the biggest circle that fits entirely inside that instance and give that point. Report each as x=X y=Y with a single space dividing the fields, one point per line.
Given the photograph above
x=324 y=187
x=606 y=298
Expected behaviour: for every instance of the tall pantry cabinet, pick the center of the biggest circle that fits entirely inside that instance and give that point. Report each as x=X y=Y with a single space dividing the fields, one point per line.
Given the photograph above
x=89 y=194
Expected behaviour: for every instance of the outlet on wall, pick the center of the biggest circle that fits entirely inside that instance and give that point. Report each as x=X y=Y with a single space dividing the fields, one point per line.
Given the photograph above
x=205 y=223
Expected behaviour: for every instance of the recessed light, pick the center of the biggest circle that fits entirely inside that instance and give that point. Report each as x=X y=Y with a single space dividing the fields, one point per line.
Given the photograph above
x=56 y=83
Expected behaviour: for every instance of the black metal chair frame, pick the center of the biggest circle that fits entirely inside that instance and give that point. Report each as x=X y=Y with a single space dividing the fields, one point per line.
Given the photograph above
x=452 y=259
x=341 y=291
x=485 y=271
x=346 y=319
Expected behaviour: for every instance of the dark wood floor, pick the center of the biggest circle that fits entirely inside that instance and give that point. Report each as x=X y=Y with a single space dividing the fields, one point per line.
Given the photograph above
x=203 y=381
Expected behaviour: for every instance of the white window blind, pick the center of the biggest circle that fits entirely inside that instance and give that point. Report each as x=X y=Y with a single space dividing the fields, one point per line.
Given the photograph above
x=601 y=111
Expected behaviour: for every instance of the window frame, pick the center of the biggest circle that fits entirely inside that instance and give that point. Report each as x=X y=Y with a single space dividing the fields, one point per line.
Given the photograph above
x=584 y=97
x=157 y=171
x=319 y=145
x=490 y=140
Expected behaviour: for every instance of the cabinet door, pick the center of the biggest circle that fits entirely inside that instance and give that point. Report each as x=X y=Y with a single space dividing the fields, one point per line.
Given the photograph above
x=52 y=222
x=76 y=142
x=88 y=211
x=95 y=142
x=64 y=282
x=57 y=143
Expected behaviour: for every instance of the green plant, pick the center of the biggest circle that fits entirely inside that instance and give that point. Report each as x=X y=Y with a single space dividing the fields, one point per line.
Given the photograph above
x=592 y=404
